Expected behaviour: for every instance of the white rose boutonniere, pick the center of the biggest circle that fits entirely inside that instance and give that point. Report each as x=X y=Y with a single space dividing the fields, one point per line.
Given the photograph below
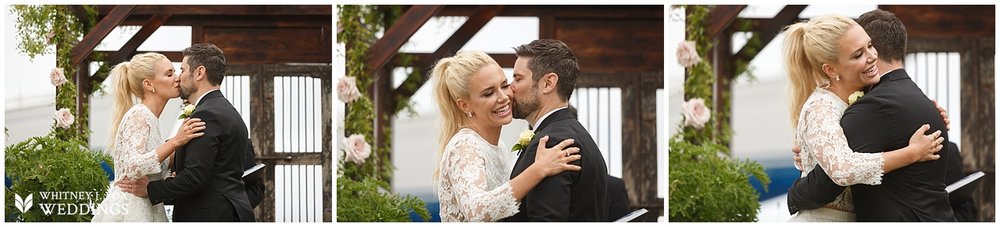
x=187 y=111
x=523 y=140
x=854 y=97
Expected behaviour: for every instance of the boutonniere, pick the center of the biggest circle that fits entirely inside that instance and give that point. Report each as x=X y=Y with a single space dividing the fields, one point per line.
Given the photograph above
x=523 y=140
x=854 y=97
x=186 y=111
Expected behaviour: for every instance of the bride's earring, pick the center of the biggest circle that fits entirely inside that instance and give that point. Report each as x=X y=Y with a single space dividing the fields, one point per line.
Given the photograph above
x=838 y=77
x=153 y=90
x=469 y=113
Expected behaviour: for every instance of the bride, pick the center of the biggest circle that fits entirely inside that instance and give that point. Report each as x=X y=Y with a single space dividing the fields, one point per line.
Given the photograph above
x=136 y=145
x=828 y=59
x=472 y=175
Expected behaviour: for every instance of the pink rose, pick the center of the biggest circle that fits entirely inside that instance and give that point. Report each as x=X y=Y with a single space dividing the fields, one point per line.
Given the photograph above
x=356 y=149
x=687 y=55
x=64 y=118
x=347 y=90
x=57 y=77
x=696 y=114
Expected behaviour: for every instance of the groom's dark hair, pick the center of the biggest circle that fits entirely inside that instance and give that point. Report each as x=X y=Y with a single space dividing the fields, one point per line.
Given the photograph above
x=552 y=56
x=210 y=56
x=887 y=32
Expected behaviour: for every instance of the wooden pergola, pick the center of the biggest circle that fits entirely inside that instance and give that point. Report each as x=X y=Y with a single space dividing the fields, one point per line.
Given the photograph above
x=617 y=46
x=258 y=41
x=968 y=30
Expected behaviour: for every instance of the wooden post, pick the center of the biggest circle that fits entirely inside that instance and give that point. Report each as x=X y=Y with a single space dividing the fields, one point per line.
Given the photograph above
x=326 y=87
x=262 y=135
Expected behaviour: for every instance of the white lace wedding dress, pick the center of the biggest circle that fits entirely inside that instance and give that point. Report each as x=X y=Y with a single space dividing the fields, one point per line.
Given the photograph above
x=134 y=156
x=473 y=182
x=823 y=142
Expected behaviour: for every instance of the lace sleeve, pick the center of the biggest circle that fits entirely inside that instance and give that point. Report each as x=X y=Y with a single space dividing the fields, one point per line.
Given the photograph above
x=827 y=140
x=477 y=202
x=131 y=153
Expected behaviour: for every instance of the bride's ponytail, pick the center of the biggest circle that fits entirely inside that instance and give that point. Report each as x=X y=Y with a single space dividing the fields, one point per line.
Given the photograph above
x=126 y=83
x=122 y=96
x=451 y=82
x=807 y=46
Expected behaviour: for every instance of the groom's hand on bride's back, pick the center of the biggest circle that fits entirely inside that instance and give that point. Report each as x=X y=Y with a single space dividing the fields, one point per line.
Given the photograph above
x=136 y=187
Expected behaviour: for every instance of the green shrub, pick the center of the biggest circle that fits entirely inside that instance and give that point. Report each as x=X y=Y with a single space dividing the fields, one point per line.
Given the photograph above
x=370 y=201
x=47 y=164
x=706 y=185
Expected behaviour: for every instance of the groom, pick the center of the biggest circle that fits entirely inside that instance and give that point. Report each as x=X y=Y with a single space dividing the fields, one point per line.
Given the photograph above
x=545 y=75
x=883 y=120
x=208 y=186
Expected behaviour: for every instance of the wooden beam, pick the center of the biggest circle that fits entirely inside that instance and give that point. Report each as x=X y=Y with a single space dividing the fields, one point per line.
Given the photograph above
x=476 y=21
x=80 y=13
x=383 y=49
x=140 y=37
x=720 y=17
x=227 y=10
x=769 y=29
x=425 y=60
x=567 y=11
x=101 y=30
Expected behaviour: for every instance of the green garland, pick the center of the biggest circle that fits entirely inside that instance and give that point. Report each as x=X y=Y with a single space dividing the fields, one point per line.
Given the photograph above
x=362 y=189
x=43 y=26
x=704 y=185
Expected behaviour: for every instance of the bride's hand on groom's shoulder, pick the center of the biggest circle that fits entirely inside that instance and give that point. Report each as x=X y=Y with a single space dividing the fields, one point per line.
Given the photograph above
x=557 y=159
x=190 y=129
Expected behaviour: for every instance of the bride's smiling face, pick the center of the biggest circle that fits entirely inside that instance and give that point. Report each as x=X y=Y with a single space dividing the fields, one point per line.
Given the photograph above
x=489 y=98
x=163 y=80
x=856 y=58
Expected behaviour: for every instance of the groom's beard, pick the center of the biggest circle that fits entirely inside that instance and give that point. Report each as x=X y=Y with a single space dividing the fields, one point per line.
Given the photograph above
x=186 y=92
x=525 y=106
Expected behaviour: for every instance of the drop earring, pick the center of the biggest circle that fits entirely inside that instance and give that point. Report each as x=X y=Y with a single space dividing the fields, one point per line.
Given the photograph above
x=838 y=77
x=469 y=113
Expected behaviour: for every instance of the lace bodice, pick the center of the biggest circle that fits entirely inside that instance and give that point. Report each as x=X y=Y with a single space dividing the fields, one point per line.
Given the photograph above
x=473 y=183
x=823 y=142
x=134 y=155
x=136 y=141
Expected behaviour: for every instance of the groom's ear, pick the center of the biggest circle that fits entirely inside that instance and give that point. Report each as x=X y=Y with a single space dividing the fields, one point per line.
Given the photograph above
x=200 y=73
x=549 y=81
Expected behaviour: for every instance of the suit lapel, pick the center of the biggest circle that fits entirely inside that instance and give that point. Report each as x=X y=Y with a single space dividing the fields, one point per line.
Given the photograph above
x=554 y=117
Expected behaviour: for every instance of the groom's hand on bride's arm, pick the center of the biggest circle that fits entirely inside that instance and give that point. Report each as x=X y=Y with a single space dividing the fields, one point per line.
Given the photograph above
x=136 y=187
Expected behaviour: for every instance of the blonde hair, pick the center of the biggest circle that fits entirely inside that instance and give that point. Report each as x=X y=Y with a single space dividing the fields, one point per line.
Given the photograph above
x=807 y=46
x=451 y=77
x=127 y=85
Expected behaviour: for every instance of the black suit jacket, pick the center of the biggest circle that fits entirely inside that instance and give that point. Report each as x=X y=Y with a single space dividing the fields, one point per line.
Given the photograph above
x=208 y=185
x=617 y=198
x=883 y=120
x=570 y=195
x=253 y=182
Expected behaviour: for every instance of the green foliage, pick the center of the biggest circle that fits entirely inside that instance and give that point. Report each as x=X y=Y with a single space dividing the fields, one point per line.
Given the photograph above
x=707 y=186
x=39 y=28
x=49 y=164
x=705 y=183
x=362 y=189
x=368 y=200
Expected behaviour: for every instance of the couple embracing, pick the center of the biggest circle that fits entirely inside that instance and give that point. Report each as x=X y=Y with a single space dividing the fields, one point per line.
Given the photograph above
x=560 y=175
x=869 y=159
x=201 y=168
